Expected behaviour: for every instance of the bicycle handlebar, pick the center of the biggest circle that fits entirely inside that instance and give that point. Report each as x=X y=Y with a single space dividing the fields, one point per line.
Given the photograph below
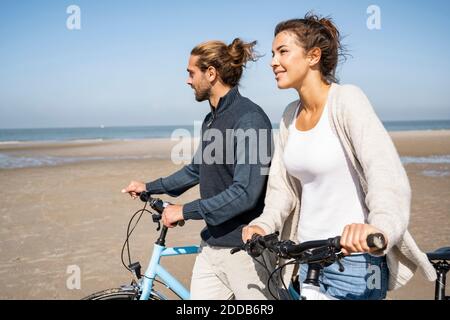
x=157 y=204
x=289 y=249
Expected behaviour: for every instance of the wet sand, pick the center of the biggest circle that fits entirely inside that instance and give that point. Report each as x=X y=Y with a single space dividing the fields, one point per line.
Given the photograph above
x=56 y=217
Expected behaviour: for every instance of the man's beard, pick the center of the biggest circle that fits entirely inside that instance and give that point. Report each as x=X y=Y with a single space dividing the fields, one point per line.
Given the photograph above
x=202 y=94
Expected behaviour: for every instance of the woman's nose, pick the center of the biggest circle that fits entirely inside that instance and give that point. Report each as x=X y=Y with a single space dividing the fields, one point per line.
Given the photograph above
x=274 y=62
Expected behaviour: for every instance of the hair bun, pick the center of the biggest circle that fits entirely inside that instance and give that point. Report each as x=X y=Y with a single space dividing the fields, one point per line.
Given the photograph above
x=329 y=25
x=240 y=52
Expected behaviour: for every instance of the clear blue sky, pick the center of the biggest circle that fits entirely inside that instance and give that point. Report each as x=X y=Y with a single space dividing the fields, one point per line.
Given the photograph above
x=127 y=64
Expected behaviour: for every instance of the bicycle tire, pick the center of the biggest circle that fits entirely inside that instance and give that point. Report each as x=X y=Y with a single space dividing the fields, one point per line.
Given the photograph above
x=119 y=294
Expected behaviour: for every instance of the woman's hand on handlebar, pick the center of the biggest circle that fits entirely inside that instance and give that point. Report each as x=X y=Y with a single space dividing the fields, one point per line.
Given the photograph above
x=172 y=214
x=134 y=189
x=354 y=238
x=249 y=231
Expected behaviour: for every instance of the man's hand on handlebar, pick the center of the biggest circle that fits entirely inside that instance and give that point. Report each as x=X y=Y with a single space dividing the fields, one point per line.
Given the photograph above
x=134 y=189
x=172 y=214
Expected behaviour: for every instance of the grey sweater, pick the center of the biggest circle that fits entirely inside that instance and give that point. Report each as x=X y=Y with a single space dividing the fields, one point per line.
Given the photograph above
x=387 y=194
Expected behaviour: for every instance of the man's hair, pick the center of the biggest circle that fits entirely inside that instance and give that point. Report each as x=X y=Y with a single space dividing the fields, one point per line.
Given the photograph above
x=228 y=60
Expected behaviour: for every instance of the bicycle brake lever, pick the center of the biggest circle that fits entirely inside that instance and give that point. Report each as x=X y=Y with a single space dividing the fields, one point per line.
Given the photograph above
x=156 y=219
x=341 y=266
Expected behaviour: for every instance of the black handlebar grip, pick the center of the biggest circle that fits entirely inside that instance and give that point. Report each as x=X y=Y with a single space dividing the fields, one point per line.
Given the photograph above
x=376 y=240
x=234 y=250
x=181 y=223
x=144 y=196
x=336 y=242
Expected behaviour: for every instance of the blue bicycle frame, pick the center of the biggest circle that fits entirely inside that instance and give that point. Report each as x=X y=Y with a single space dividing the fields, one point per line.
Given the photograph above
x=154 y=270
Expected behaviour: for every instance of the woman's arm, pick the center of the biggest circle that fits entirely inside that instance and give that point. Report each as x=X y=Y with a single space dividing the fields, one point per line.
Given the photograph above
x=388 y=193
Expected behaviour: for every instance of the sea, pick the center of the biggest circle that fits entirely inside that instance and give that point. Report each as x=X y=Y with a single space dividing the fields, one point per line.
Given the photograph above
x=144 y=132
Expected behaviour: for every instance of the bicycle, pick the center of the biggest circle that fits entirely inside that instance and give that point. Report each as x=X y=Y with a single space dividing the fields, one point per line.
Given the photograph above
x=321 y=253
x=143 y=287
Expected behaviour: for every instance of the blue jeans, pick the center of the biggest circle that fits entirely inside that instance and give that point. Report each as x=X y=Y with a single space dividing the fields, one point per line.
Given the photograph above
x=365 y=278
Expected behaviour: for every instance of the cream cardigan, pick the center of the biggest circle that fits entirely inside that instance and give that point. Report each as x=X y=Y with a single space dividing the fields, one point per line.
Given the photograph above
x=387 y=194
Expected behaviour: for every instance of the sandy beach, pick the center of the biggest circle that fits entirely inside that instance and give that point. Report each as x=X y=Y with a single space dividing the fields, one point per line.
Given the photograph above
x=73 y=214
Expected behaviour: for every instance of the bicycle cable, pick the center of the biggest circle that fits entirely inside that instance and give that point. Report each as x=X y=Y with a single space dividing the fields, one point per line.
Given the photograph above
x=264 y=264
x=127 y=242
x=279 y=269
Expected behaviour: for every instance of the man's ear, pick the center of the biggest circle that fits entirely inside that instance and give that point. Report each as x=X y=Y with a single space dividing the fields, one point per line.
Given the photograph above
x=314 y=56
x=211 y=74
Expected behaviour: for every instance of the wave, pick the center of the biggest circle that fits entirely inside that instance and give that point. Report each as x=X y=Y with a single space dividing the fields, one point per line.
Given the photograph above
x=10 y=162
x=436 y=173
x=426 y=160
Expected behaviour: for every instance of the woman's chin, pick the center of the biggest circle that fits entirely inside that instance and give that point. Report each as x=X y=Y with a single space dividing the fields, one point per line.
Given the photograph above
x=282 y=85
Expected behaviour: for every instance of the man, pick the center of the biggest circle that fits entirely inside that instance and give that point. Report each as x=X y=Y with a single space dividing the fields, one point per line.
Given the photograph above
x=232 y=179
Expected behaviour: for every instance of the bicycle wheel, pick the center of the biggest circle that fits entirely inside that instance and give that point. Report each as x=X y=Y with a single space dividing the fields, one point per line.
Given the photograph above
x=119 y=294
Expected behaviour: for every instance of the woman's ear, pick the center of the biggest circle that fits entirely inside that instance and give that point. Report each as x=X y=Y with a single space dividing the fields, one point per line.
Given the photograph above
x=314 y=56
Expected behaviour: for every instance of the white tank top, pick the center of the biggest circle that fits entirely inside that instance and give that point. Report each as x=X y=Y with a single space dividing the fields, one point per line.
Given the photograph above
x=331 y=196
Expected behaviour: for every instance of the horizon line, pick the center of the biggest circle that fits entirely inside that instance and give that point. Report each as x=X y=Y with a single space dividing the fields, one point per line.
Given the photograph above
x=102 y=126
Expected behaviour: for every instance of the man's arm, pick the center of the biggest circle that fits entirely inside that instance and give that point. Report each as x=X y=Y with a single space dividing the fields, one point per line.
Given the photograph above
x=178 y=182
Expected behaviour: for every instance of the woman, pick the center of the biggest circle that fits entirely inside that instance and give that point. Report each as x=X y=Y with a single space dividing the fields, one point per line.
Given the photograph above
x=335 y=170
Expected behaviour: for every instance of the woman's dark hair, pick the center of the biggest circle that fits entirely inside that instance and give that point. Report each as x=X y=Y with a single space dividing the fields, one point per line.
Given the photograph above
x=317 y=32
x=229 y=60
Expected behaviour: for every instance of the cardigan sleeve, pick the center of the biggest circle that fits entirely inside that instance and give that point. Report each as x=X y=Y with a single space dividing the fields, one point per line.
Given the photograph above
x=388 y=194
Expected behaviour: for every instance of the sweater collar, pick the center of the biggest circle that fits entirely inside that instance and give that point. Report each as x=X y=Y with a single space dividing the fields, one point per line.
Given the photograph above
x=226 y=101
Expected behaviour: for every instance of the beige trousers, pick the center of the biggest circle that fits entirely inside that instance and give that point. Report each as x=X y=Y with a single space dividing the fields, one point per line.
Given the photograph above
x=219 y=275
